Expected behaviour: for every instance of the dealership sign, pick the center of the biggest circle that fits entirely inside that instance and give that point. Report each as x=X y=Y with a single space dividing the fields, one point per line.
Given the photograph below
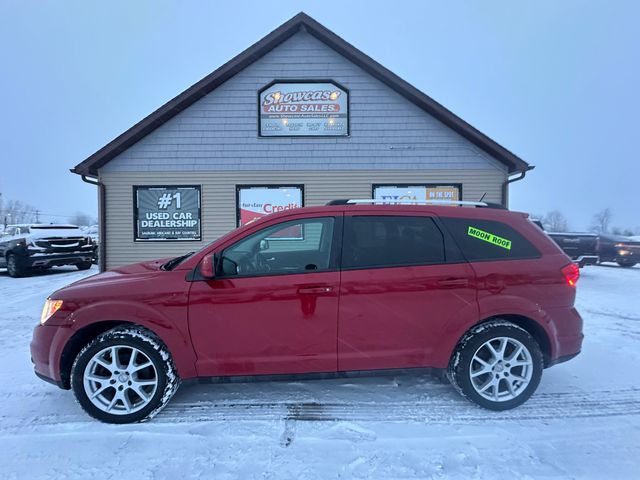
x=255 y=202
x=303 y=109
x=167 y=213
x=416 y=193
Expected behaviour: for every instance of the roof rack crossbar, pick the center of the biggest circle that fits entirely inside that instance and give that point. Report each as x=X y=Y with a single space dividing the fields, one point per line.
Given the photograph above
x=357 y=201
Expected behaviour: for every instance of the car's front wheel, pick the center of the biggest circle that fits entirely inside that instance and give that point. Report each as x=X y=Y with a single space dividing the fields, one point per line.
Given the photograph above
x=84 y=265
x=626 y=263
x=497 y=365
x=15 y=268
x=124 y=375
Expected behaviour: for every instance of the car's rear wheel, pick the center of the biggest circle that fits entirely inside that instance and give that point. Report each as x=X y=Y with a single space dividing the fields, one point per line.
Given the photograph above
x=497 y=365
x=84 y=265
x=14 y=266
x=124 y=375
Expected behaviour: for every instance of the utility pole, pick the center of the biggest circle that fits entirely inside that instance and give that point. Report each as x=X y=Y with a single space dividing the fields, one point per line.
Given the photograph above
x=37 y=216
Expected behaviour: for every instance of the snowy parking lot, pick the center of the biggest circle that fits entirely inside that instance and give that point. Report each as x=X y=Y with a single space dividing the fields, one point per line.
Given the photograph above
x=584 y=421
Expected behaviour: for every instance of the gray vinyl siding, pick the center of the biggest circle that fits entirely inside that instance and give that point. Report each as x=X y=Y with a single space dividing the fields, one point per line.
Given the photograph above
x=219 y=198
x=219 y=132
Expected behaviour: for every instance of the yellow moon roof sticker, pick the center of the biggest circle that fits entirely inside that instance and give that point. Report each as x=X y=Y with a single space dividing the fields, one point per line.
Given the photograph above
x=489 y=238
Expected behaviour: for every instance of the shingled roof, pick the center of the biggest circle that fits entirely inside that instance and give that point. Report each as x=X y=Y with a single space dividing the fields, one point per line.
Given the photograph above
x=93 y=163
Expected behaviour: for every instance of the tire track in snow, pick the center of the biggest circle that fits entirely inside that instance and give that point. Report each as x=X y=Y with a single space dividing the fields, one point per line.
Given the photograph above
x=437 y=410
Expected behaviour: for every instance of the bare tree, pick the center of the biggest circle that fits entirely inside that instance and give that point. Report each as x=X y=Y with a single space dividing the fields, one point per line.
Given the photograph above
x=17 y=211
x=601 y=221
x=555 y=221
x=80 y=219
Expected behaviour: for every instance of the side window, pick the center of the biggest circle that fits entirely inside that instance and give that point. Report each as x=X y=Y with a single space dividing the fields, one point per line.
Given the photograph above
x=384 y=241
x=489 y=240
x=296 y=246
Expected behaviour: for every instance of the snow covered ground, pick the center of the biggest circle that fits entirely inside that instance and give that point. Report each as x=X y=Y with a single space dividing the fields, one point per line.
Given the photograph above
x=584 y=421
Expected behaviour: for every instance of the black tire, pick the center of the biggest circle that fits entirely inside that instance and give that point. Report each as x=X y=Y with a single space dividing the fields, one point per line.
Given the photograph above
x=152 y=347
x=84 y=265
x=15 y=268
x=626 y=263
x=459 y=371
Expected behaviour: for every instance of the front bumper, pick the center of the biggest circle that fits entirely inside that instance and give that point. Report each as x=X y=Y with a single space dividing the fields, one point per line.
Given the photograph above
x=57 y=259
x=47 y=345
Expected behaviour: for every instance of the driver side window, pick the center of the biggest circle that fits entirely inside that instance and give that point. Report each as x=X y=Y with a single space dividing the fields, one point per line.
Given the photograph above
x=296 y=246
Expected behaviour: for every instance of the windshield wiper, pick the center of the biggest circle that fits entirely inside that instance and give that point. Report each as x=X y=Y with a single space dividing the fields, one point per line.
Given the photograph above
x=175 y=261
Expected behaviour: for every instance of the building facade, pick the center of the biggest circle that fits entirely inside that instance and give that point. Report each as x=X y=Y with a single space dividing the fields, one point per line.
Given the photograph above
x=300 y=118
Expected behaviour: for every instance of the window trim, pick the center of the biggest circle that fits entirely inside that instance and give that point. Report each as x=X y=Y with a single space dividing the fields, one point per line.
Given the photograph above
x=335 y=252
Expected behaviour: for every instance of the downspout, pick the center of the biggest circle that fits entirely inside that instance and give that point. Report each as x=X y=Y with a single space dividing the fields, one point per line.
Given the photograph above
x=505 y=185
x=102 y=224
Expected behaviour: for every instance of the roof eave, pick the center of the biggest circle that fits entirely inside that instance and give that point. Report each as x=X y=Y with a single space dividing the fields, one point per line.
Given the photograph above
x=93 y=163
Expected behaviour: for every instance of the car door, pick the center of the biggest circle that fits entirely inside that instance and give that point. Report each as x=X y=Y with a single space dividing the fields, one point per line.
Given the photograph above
x=272 y=307
x=401 y=289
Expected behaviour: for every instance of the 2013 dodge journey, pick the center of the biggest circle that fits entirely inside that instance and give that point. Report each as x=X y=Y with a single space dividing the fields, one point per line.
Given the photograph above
x=481 y=293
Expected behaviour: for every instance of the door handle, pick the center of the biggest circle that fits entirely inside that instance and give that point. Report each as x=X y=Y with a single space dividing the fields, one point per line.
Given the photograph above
x=454 y=282
x=315 y=290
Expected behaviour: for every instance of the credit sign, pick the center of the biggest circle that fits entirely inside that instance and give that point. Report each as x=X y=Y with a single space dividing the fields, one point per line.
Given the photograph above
x=255 y=202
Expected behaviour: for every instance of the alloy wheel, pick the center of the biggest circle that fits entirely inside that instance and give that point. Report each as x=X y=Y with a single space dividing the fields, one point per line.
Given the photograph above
x=501 y=369
x=120 y=380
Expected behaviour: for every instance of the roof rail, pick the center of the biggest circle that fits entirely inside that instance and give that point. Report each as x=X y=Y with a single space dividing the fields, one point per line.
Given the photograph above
x=365 y=201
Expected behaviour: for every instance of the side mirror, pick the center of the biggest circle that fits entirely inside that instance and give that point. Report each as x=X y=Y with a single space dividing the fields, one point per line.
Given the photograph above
x=206 y=266
x=264 y=244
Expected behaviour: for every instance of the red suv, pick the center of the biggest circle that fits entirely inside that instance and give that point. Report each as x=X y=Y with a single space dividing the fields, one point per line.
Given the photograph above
x=480 y=292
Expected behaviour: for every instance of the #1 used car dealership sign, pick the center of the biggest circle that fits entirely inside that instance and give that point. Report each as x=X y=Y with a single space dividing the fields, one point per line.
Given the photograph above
x=167 y=213
x=303 y=109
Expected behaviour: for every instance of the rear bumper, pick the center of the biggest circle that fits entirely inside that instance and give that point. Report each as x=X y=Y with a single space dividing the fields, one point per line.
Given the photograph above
x=583 y=260
x=568 y=336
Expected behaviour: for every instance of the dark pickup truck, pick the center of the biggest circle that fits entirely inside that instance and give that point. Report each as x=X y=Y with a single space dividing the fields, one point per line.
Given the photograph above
x=41 y=246
x=582 y=248
x=622 y=250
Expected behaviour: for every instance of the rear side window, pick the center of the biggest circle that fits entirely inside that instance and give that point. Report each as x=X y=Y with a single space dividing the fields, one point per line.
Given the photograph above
x=386 y=241
x=489 y=240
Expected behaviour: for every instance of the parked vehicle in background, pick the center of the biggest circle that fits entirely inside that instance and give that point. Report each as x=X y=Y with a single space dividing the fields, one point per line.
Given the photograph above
x=94 y=232
x=622 y=250
x=582 y=248
x=480 y=293
x=30 y=247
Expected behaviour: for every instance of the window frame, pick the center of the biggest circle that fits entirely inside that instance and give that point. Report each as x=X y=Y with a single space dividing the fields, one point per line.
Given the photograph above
x=335 y=250
x=433 y=218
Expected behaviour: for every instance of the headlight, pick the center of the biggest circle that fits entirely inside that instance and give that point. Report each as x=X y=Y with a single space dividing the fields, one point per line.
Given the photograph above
x=50 y=307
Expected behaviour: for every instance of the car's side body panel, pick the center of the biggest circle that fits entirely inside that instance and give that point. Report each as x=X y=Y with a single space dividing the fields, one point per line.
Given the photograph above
x=324 y=321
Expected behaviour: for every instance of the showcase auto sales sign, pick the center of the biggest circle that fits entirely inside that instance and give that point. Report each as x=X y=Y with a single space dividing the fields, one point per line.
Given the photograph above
x=303 y=109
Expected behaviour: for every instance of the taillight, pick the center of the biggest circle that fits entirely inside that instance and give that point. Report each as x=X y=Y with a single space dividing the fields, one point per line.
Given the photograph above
x=571 y=274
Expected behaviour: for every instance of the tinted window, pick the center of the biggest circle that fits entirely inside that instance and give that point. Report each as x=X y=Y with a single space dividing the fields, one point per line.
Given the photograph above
x=489 y=240
x=378 y=241
x=288 y=247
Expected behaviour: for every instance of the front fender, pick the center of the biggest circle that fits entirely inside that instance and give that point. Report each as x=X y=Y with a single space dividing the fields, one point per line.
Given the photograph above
x=173 y=332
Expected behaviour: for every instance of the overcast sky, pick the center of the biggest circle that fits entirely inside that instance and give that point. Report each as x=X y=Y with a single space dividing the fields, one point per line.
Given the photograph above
x=556 y=82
